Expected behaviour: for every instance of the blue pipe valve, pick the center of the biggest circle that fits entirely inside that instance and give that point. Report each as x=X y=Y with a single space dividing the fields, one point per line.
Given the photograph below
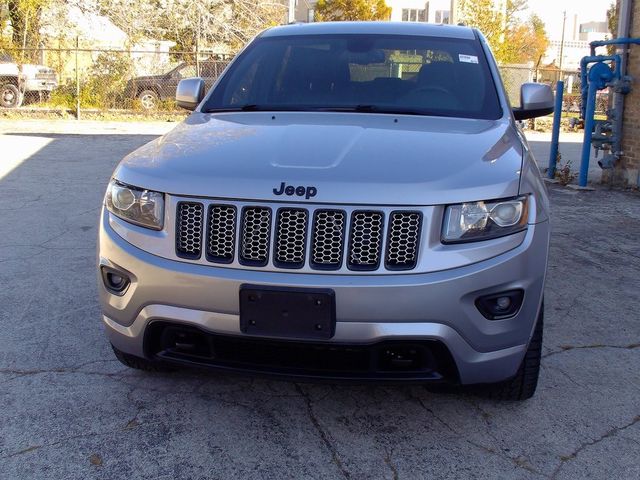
x=600 y=74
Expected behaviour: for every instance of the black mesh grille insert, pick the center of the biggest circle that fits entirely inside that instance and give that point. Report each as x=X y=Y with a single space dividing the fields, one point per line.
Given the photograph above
x=328 y=239
x=402 y=243
x=189 y=225
x=256 y=232
x=365 y=242
x=291 y=237
x=221 y=237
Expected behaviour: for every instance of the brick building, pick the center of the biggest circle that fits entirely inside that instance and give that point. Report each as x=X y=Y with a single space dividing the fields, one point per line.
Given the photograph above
x=628 y=169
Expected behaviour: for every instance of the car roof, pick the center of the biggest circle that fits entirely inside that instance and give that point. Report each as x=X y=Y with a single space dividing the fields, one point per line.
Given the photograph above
x=386 y=28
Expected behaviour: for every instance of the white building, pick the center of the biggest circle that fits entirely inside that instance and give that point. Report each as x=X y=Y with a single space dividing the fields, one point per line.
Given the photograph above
x=432 y=11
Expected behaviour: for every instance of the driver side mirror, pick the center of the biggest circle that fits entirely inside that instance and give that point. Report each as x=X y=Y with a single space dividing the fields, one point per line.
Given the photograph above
x=190 y=93
x=536 y=100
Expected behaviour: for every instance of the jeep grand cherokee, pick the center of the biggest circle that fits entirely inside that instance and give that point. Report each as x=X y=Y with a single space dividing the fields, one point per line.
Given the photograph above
x=348 y=201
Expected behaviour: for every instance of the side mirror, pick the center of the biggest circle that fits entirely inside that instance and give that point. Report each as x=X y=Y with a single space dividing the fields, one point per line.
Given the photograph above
x=536 y=100
x=190 y=93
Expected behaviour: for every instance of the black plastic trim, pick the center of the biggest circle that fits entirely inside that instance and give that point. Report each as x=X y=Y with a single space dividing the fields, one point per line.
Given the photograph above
x=438 y=367
x=365 y=268
x=241 y=259
x=105 y=271
x=418 y=238
x=290 y=265
x=180 y=254
x=343 y=247
x=213 y=258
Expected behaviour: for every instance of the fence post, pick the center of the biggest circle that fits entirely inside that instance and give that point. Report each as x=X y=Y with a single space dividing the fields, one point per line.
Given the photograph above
x=557 y=116
x=77 y=81
x=198 y=44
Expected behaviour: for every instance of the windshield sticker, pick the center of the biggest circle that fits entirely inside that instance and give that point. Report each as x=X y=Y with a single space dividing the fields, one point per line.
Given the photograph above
x=468 y=58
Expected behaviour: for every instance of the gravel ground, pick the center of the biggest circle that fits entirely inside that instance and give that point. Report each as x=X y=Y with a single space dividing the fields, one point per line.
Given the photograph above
x=71 y=411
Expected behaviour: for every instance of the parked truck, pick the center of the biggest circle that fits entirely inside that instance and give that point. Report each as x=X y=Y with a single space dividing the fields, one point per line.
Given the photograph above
x=19 y=80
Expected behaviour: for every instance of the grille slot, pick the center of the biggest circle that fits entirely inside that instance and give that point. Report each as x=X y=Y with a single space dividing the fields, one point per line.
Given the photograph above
x=189 y=225
x=328 y=239
x=291 y=237
x=221 y=236
x=256 y=232
x=365 y=242
x=403 y=240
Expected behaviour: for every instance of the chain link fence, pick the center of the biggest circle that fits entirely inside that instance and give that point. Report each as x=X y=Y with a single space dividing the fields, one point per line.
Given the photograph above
x=83 y=79
x=515 y=75
x=78 y=79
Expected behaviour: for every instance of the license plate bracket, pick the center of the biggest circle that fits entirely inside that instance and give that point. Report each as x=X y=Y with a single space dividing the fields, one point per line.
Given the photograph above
x=301 y=313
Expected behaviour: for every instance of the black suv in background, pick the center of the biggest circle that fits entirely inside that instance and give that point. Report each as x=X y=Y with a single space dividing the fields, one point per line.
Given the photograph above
x=148 y=90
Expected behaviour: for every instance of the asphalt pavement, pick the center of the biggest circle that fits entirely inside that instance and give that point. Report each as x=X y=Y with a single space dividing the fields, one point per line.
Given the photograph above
x=69 y=410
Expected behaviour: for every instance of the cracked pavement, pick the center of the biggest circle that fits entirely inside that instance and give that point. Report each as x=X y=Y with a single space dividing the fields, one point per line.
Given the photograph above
x=70 y=410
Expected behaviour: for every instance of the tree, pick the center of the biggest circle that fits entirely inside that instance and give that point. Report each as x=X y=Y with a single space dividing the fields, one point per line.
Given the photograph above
x=511 y=39
x=24 y=16
x=612 y=24
x=337 y=10
x=525 y=42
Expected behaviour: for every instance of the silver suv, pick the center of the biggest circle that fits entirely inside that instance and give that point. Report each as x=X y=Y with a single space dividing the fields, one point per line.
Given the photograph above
x=349 y=201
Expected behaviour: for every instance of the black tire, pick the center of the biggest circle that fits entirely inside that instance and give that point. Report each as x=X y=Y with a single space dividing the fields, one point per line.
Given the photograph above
x=148 y=99
x=523 y=385
x=10 y=96
x=138 y=363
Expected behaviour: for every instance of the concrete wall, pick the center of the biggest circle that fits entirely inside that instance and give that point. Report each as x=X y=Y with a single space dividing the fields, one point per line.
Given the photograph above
x=629 y=166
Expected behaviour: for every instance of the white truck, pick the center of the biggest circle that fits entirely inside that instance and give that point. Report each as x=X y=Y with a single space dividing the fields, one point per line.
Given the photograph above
x=18 y=80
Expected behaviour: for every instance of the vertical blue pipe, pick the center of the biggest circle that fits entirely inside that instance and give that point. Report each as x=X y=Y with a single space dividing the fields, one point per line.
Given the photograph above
x=588 y=129
x=555 y=135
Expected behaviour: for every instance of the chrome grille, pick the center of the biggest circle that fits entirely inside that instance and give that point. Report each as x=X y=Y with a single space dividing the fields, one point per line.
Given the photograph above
x=256 y=232
x=240 y=235
x=291 y=237
x=402 y=242
x=221 y=237
x=365 y=240
x=189 y=229
x=328 y=239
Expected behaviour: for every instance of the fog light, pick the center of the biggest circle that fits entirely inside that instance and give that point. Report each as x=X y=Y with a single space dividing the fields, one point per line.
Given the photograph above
x=503 y=303
x=498 y=306
x=114 y=281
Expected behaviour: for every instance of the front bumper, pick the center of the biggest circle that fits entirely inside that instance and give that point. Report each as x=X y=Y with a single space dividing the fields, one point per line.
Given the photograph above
x=436 y=306
x=37 y=85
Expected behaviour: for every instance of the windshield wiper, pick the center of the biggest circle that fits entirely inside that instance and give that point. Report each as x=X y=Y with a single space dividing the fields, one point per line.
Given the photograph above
x=367 y=108
x=251 y=107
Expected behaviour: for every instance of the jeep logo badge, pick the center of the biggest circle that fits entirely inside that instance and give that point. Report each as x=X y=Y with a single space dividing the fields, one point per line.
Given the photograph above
x=306 y=192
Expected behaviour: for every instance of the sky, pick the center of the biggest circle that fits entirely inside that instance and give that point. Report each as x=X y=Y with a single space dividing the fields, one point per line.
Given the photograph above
x=551 y=13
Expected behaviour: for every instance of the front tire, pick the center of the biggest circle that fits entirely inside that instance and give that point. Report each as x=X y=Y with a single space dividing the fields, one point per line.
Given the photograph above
x=10 y=96
x=523 y=385
x=148 y=99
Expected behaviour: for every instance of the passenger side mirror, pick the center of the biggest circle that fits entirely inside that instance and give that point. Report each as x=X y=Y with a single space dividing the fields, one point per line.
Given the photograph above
x=190 y=93
x=536 y=100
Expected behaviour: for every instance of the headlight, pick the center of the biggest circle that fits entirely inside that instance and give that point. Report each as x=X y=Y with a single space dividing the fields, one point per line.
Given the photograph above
x=135 y=205
x=475 y=221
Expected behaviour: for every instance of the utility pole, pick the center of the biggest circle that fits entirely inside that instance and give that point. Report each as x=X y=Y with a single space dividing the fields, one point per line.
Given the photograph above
x=564 y=21
x=292 y=11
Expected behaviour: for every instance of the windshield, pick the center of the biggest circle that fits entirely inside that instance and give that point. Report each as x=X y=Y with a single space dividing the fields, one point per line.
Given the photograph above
x=361 y=73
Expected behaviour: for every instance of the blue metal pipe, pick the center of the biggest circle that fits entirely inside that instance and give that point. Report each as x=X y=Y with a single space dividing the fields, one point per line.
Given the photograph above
x=588 y=129
x=615 y=41
x=584 y=71
x=555 y=135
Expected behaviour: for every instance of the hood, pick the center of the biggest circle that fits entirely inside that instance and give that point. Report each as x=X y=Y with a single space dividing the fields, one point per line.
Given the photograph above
x=147 y=78
x=348 y=158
